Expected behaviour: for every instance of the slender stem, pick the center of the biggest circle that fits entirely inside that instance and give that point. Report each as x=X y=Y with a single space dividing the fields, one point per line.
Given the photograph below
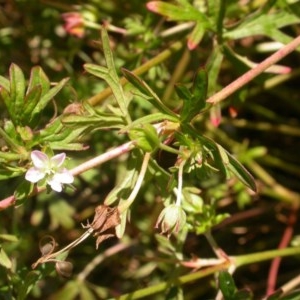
x=50 y=257
x=236 y=261
x=96 y=161
x=169 y=149
x=251 y=74
x=217 y=250
x=247 y=259
x=125 y=205
x=100 y=258
x=285 y=240
x=289 y=286
x=180 y=182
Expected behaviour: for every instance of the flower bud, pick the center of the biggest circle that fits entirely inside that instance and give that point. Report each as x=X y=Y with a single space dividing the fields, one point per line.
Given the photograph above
x=171 y=219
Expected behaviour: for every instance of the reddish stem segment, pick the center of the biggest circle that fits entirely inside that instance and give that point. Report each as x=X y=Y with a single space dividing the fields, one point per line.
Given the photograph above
x=251 y=74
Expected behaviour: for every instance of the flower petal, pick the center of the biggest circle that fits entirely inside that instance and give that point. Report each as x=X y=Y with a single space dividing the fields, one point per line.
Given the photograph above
x=34 y=175
x=39 y=159
x=57 y=160
x=55 y=185
x=63 y=176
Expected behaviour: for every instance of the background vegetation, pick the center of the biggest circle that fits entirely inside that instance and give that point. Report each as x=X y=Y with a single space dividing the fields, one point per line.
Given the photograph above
x=200 y=226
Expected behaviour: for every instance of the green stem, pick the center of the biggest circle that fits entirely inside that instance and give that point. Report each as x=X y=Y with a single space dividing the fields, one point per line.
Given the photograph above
x=247 y=259
x=169 y=149
x=125 y=205
x=238 y=261
x=180 y=182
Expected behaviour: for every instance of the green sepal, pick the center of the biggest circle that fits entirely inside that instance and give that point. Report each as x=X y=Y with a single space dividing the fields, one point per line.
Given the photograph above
x=145 y=137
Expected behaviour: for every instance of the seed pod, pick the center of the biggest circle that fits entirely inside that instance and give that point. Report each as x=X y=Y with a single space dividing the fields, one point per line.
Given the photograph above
x=64 y=268
x=47 y=245
x=46 y=249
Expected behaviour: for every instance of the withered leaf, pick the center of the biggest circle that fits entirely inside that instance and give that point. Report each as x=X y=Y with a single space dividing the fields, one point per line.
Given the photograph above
x=105 y=220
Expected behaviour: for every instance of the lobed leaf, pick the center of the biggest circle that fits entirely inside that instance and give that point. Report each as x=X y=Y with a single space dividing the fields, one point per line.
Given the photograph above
x=185 y=12
x=48 y=97
x=146 y=90
x=192 y=105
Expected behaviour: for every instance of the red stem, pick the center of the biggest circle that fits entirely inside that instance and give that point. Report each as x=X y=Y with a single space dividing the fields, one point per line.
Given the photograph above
x=285 y=240
x=248 y=76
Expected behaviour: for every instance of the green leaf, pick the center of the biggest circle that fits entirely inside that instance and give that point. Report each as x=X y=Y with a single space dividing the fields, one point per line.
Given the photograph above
x=38 y=78
x=262 y=24
x=48 y=97
x=4 y=82
x=241 y=172
x=69 y=291
x=109 y=59
x=152 y=118
x=145 y=89
x=103 y=121
x=8 y=238
x=30 y=281
x=84 y=292
x=4 y=259
x=145 y=137
x=126 y=179
x=227 y=285
x=192 y=106
x=120 y=229
x=243 y=294
x=7 y=172
x=24 y=189
x=31 y=100
x=196 y=36
x=173 y=12
x=61 y=213
x=6 y=99
x=11 y=140
x=110 y=77
x=17 y=89
x=213 y=67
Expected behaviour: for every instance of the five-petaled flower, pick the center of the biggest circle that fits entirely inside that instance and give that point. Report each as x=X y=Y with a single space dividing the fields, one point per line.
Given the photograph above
x=50 y=170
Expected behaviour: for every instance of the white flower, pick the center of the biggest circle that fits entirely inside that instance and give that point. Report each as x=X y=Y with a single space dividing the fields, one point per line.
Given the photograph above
x=49 y=169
